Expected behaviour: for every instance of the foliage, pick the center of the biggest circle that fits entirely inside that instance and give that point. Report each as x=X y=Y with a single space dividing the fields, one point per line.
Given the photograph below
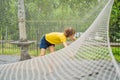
x=8 y=17
x=115 y=22
x=72 y=11
x=57 y=9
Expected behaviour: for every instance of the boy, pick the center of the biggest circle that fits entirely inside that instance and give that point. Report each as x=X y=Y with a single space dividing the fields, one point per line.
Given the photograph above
x=50 y=39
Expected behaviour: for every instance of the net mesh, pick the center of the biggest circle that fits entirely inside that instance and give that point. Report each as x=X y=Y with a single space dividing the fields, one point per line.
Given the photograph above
x=88 y=58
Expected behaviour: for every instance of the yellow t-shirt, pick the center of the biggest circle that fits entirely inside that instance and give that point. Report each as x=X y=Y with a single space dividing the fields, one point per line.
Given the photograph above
x=55 y=37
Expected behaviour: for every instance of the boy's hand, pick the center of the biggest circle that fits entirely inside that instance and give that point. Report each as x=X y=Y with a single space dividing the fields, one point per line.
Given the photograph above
x=73 y=38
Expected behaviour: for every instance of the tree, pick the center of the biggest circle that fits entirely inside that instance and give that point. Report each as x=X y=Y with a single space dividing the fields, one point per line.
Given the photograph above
x=8 y=18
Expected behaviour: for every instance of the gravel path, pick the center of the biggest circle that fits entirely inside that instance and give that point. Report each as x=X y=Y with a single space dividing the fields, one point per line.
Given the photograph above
x=4 y=59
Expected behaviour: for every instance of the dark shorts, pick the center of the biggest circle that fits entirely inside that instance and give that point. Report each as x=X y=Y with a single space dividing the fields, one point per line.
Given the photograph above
x=44 y=43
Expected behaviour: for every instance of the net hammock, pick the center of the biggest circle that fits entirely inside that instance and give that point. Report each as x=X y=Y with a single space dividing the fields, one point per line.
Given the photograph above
x=88 y=58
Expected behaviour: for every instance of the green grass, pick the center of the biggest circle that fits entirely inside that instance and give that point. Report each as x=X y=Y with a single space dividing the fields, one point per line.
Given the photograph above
x=6 y=51
x=116 y=52
x=10 y=49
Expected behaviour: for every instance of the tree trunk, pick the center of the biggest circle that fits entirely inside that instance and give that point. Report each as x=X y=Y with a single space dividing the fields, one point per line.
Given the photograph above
x=21 y=18
x=22 y=31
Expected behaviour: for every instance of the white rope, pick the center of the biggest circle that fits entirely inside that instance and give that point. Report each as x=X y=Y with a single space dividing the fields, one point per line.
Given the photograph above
x=88 y=58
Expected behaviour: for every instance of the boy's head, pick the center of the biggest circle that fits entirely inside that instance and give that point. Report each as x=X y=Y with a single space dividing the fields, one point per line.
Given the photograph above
x=69 y=32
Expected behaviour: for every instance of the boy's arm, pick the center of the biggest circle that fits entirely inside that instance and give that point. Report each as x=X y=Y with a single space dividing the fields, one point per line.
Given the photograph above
x=71 y=56
x=65 y=44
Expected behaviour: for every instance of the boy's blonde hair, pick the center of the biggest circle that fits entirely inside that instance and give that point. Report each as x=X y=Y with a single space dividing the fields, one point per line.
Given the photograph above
x=69 y=32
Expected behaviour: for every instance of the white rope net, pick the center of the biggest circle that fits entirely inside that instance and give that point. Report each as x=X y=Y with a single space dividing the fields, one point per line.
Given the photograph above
x=88 y=58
